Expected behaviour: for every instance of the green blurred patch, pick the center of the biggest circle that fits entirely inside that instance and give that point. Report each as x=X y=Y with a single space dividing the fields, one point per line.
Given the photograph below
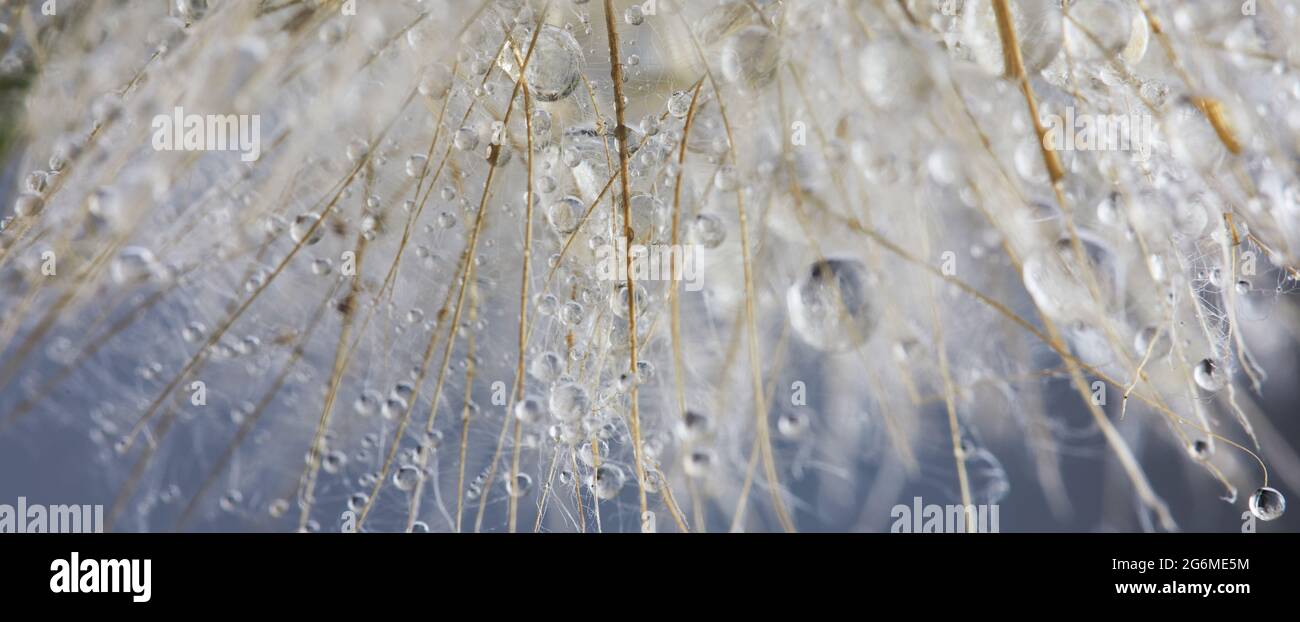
x=12 y=91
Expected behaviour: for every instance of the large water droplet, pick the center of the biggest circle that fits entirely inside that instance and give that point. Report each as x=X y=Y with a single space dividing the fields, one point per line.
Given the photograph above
x=751 y=57
x=830 y=308
x=1059 y=283
x=893 y=74
x=1038 y=29
x=1208 y=376
x=607 y=481
x=1098 y=28
x=554 y=70
x=133 y=265
x=569 y=402
x=305 y=229
x=1267 y=504
x=565 y=215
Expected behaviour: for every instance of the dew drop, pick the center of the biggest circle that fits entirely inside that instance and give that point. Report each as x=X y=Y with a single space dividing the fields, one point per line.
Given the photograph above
x=792 y=425
x=305 y=229
x=528 y=410
x=520 y=485
x=1208 y=376
x=565 y=215
x=698 y=463
x=133 y=265
x=334 y=461
x=829 y=307
x=679 y=104
x=750 y=58
x=407 y=478
x=231 y=500
x=1038 y=26
x=1144 y=339
x=569 y=401
x=554 y=70
x=607 y=481
x=707 y=230
x=1098 y=28
x=466 y=139
x=278 y=508
x=546 y=367
x=634 y=16
x=28 y=204
x=1267 y=504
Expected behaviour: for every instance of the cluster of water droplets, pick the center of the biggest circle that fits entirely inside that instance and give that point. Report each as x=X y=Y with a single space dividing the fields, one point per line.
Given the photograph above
x=417 y=311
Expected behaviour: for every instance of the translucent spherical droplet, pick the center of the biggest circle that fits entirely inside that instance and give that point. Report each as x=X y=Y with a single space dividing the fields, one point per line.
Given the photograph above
x=1267 y=504
x=231 y=500
x=106 y=204
x=393 y=408
x=1038 y=25
x=634 y=16
x=607 y=481
x=587 y=454
x=565 y=215
x=357 y=149
x=893 y=74
x=1208 y=376
x=37 y=182
x=368 y=403
x=541 y=121
x=988 y=480
x=407 y=478
x=694 y=426
x=1058 y=281
x=305 y=229
x=466 y=139
x=650 y=218
x=133 y=265
x=520 y=485
x=278 y=508
x=569 y=401
x=722 y=18
x=547 y=304
x=830 y=307
x=1098 y=28
x=546 y=367
x=792 y=425
x=707 y=230
x=334 y=461
x=1145 y=338
x=751 y=57
x=415 y=165
x=1108 y=210
x=618 y=302
x=28 y=204
x=1139 y=37
x=1192 y=138
x=679 y=104
x=571 y=313
x=191 y=10
x=555 y=69
x=528 y=410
